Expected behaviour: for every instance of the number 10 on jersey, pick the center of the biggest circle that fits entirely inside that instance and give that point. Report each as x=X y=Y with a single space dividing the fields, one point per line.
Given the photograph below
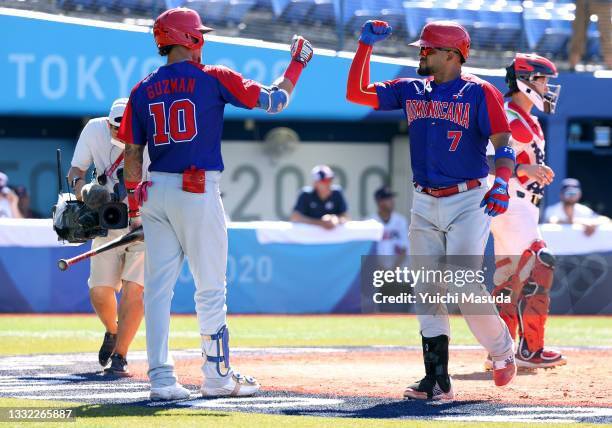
x=180 y=124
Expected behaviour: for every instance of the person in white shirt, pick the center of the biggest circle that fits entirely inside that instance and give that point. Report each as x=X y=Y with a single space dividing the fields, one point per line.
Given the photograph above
x=9 y=201
x=395 y=237
x=123 y=267
x=570 y=211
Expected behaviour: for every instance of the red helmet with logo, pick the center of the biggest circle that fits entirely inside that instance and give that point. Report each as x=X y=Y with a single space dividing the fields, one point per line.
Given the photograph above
x=445 y=34
x=521 y=75
x=179 y=26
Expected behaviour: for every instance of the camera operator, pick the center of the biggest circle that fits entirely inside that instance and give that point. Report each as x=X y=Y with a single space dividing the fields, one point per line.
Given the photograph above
x=123 y=267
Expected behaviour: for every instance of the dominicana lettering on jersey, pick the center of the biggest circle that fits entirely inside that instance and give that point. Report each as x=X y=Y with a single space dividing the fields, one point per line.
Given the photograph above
x=458 y=113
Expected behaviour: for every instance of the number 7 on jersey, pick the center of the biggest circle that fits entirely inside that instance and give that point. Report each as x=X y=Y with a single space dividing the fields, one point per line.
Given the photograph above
x=456 y=136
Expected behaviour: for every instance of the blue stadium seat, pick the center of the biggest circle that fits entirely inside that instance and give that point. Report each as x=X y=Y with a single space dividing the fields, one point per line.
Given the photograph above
x=297 y=10
x=238 y=9
x=88 y=5
x=416 y=14
x=535 y=27
x=278 y=6
x=555 y=38
x=211 y=11
x=325 y=11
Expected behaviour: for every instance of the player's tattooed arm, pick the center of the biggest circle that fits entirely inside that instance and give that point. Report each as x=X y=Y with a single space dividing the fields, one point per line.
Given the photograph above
x=132 y=170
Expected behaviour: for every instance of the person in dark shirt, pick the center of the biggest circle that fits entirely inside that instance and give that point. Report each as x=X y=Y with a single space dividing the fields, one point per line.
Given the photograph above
x=323 y=204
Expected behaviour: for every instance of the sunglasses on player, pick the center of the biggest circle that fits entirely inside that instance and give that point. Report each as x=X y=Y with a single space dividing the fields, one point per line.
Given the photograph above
x=426 y=51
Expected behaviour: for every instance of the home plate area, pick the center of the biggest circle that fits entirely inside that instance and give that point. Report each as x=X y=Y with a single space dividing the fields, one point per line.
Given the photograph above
x=78 y=378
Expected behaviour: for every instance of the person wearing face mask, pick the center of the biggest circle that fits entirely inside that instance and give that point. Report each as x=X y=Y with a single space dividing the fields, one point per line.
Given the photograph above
x=524 y=265
x=570 y=211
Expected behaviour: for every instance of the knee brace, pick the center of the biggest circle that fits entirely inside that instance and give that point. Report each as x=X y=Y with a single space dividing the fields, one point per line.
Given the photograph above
x=216 y=350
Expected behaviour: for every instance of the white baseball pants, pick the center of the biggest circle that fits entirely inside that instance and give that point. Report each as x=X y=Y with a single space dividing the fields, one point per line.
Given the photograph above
x=178 y=224
x=456 y=225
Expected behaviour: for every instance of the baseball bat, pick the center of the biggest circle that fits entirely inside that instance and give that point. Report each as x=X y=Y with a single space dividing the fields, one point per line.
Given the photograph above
x=135 y=235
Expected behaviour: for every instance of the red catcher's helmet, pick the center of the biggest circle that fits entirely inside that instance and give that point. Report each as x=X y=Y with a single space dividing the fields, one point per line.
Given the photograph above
x=521 y=74
x=445 y=34
x=179 y=26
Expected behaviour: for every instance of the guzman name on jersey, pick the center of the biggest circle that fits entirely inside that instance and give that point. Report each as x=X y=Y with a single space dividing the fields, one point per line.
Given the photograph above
x=170 y=86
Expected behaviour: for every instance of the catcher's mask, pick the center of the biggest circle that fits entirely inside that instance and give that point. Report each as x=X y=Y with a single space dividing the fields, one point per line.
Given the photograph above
x=521 y=75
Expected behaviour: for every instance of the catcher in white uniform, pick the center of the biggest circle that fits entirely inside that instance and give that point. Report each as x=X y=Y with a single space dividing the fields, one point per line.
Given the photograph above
x=524 y=266
x=120 y=269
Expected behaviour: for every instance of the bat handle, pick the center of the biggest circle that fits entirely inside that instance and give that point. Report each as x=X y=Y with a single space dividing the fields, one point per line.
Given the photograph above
x=63 y=264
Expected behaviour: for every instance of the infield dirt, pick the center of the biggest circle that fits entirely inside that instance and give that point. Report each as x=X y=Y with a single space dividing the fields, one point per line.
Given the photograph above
x=585 y=381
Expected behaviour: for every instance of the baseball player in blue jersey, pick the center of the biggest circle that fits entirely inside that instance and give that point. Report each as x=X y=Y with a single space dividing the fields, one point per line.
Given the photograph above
x=177 y=112
x=451 y=116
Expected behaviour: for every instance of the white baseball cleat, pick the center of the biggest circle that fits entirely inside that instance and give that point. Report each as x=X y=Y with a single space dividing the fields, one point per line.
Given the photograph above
x=236 y=385
x=168 y=393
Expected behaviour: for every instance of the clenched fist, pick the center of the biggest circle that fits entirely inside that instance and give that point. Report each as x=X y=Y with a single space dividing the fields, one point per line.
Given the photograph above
x=374 y=31
x=301 y=50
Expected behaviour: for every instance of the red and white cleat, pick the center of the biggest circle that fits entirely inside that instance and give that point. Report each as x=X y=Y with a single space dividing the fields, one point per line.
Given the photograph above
x=542 y=359
x=504 y=371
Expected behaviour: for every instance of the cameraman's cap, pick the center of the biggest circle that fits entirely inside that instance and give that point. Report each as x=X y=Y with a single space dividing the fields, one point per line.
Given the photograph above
x=116 y=111
x=322 y=172
x=384 y=193
x=570 y=183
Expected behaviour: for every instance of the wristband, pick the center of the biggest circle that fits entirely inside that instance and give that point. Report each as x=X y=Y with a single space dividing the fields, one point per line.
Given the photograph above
x=505 y=152
x=293 y=71
x=504 y=173
x=133 y=210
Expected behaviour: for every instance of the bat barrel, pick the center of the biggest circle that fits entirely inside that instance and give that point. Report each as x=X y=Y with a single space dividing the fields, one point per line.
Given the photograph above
x=62 y=264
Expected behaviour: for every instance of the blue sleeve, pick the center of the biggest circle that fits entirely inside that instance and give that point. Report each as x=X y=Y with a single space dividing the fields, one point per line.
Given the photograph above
x=389 y=95
x=302 y=204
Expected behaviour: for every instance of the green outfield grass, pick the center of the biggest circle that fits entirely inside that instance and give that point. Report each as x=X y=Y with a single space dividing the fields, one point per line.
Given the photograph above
x=104 y=416
x=29 y=334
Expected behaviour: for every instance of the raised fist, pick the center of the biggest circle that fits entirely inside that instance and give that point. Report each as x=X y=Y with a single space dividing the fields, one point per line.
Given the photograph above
x=374 y=31
x=301 y=50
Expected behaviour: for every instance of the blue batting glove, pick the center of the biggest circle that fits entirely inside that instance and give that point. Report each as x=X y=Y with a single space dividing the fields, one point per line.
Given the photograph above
x=495 y=201
x=374 y=31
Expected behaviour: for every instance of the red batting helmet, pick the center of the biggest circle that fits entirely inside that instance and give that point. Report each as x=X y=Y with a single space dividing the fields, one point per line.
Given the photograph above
x=179 y=26
x=520 y=76
x=445 y=34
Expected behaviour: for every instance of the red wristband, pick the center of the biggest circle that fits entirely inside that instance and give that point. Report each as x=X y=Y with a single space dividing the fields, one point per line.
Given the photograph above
x=293 y=71
x=503 y=172
x=133 y=210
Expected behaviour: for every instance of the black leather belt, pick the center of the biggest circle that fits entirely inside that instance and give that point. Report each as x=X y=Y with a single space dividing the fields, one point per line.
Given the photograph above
x=534 y=199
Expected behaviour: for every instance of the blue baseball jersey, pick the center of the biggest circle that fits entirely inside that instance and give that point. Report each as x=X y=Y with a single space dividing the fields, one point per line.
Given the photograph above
x=311 y=205
x=449 y=125
x=178 y=112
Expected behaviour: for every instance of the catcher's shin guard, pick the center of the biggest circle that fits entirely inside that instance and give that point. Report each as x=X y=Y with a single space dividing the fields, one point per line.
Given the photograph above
x=535 y=300
x=507 y=311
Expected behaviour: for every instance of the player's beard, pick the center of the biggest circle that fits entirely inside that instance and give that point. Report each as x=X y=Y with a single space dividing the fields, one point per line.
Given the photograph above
x=424 y=70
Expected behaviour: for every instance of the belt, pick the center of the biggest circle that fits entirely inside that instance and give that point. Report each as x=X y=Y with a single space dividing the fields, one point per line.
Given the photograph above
x=442 y=192
x=534 y=199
